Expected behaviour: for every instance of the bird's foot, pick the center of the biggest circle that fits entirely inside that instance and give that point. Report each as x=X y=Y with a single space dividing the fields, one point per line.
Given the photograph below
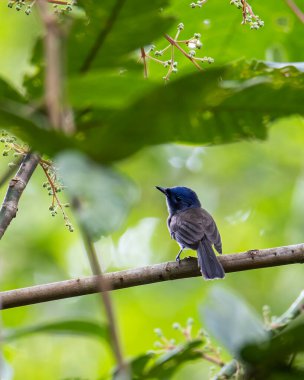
x=178 y=256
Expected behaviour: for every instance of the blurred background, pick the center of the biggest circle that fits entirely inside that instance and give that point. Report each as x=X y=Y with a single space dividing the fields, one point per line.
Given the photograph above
x=254 y=190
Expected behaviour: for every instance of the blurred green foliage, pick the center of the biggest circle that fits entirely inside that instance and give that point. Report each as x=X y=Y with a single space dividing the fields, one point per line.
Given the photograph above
x=254 y=188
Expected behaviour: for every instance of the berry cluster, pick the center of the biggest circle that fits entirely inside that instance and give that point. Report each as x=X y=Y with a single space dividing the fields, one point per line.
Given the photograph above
x=54 y=186
x=249 y=17
x=59 y=6
x=192 y=44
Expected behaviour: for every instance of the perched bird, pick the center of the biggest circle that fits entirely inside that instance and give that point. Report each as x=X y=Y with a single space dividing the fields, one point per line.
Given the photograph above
x=193 y=227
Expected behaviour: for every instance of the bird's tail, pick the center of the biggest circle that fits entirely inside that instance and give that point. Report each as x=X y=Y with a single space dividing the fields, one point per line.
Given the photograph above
x=209 y=265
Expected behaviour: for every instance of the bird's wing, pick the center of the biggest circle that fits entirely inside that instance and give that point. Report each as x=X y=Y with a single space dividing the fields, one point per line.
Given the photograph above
x=190 y=226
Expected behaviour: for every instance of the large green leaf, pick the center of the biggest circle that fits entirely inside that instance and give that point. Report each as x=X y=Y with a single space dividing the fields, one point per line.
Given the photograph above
x=198 y=108
x=222 y=105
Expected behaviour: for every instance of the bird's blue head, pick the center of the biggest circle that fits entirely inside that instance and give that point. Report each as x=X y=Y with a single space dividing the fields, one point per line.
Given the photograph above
x=179 y=198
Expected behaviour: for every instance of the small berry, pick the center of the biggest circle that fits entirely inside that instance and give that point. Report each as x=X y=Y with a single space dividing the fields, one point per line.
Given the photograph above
x=158 y=332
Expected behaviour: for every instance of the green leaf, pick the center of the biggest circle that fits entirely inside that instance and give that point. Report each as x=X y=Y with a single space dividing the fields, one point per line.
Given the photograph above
x=29 y=124
x=209 y=108
x=170 y=362
x=105 y=196
x=231 y=321
x=139 y=364
x=273 y=356
x=226 y=39
x=222 y=105
x=112 y=31
x=110 y=89
x=68 y=327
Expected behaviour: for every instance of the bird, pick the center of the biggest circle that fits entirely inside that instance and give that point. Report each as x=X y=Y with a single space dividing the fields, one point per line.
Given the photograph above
x=193 y=227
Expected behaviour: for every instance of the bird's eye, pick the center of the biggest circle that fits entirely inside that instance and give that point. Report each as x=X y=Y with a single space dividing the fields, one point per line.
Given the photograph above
x=178 y=199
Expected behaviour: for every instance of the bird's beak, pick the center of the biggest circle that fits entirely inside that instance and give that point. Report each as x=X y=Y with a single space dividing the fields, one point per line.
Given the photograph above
x=162 y=189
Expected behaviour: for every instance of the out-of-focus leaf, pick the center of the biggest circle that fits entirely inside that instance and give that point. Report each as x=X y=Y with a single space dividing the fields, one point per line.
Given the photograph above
x=68 y=327
x=226 y=39
x=31 y=126
x=104 y=195
x=231 y=321
x=270 y=360
x=108 y=89
x=138 y=365
x=277 y=349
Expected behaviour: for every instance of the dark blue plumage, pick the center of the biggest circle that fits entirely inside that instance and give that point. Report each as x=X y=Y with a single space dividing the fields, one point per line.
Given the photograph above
x=193 y=227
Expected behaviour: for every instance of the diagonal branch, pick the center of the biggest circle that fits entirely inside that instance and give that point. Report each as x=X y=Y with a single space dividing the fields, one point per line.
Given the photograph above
x=104 y=294
x=253 y=259
x=9 y=206
x=102 y=35
x=296 y=10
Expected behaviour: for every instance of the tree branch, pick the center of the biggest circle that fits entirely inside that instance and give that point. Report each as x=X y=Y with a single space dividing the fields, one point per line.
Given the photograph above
x=53 y=74
x=15 y=189
x=9 y=172
x=188 y=267
x=296 y=10
x=60 y=116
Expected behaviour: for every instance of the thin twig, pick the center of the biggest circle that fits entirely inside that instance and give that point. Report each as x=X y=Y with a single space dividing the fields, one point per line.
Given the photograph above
x=172 y=42
x=143 y=56
x=188 y=267
x=212 y=359
x=104 y=287
x=296 y=10
x=9 y=206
